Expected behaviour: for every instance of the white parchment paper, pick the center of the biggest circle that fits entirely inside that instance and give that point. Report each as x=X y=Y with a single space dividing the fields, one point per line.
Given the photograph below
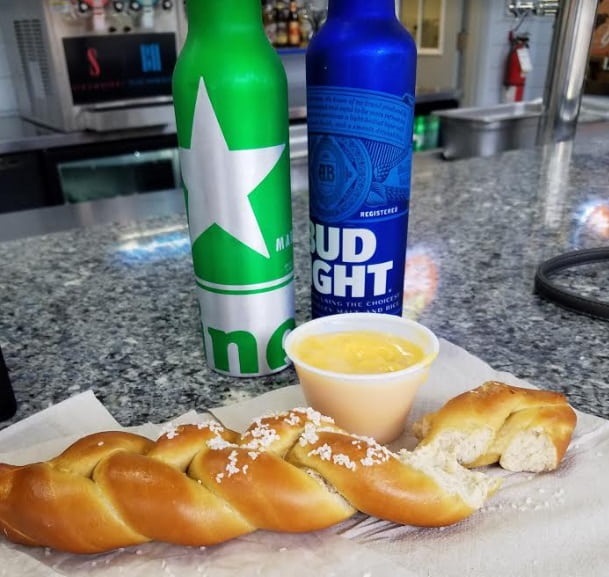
x=552 y=524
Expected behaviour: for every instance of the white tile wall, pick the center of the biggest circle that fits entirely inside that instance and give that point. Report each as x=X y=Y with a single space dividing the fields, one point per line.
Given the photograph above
x=499 y=23
x=8 y=101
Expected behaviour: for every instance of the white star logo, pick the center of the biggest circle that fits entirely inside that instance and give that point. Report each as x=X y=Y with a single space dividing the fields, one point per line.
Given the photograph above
x=219 y=181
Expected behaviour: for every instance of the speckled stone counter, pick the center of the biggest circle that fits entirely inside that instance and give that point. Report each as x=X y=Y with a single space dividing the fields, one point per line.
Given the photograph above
x=112 y=307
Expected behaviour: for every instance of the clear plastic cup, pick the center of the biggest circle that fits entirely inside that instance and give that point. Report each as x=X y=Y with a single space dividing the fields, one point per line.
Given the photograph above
x=374 y=405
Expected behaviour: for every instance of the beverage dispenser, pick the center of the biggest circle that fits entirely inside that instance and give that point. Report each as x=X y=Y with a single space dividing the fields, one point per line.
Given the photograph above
x=93 y=64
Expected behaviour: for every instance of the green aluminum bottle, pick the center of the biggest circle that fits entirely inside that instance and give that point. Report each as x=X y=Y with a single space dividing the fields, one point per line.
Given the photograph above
x=231 y=107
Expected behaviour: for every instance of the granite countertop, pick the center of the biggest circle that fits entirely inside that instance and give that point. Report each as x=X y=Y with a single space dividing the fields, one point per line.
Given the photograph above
x=111 y=306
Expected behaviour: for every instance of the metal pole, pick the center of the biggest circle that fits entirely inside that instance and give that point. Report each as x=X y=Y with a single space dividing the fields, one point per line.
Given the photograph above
x=566 y=70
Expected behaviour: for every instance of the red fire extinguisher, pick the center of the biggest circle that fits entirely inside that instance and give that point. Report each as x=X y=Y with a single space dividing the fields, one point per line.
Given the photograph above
x=518 y=65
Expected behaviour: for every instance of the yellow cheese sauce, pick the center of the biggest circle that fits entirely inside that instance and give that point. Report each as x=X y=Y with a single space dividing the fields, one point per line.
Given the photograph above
x=358 y=352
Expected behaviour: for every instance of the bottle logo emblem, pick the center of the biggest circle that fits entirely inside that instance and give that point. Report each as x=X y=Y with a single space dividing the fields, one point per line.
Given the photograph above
x=342 y=173
x=360 y=157
x=217 y=177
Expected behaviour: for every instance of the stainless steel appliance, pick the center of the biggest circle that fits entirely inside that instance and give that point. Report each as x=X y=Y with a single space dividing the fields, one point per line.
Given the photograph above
x=119 y=175
x=93 y=64
x=470 y=132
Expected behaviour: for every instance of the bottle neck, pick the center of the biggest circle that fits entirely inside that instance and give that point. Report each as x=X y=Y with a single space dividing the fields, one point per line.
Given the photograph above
x=208 y=15
x=361 y=9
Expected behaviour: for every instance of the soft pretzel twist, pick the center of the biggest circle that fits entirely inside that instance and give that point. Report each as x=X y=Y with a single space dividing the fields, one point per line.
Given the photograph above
x=521 y=429
x=201 y=485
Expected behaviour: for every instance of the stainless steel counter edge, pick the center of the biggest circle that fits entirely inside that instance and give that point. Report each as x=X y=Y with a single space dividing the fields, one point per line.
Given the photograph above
x=48 y=139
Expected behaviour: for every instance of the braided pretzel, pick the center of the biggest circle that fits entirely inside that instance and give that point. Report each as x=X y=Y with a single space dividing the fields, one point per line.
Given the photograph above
x=201 y=485
x=521 y=429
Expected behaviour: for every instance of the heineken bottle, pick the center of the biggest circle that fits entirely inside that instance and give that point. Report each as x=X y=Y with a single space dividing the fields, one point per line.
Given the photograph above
x=230 y=98
x=361 y=70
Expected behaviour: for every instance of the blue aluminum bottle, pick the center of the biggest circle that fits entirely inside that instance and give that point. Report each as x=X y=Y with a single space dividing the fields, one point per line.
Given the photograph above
x=361 y=75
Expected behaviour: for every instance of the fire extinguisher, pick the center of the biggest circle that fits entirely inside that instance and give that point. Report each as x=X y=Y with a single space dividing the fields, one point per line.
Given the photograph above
x=518 y=65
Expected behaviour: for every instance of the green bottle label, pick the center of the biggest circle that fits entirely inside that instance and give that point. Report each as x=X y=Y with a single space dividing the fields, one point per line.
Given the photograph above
x=233 y=198
x=239 y=214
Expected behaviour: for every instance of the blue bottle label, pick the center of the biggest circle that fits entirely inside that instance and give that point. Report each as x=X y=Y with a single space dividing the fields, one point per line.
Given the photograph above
x=360 y=153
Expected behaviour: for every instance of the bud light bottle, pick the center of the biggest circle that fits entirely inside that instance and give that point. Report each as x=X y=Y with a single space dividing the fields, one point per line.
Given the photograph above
x=361 y=70
x=230 y=99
